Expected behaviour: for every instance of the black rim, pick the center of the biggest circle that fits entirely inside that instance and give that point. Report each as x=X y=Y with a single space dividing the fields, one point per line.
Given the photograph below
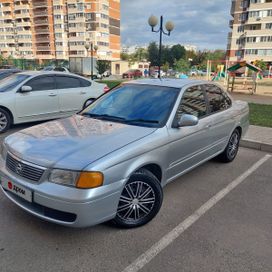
x=136 y=202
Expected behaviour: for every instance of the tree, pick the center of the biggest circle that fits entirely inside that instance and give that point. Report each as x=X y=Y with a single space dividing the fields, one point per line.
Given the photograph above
x=141 y=54
x=182 y=65
x=102 y=66
x=153 y=53
x=177 y=52
x=165 y=67
x=124 y=56
x=261 y=64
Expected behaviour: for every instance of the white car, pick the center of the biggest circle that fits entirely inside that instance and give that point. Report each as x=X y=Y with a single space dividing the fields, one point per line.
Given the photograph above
x=35 y=96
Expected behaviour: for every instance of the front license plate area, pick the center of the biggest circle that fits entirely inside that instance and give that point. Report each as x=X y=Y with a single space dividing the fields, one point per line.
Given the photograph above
x=17 y=189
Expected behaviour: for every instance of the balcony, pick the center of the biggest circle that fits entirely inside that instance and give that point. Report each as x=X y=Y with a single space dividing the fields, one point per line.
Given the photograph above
x=42 y=39
x=40 y=22
x=21 y=6
x=40 y=4
x=231 y=22
x=40 y=13
x=6 y=8
x=25 y=24
x=43 y=48
x=42 y=30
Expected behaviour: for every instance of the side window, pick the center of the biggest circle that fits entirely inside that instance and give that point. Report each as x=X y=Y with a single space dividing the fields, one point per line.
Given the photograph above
x=64 y=82
x=193 y=102
x=85 y=83
x=43 y=83
x=60 y=69
x=218 y=100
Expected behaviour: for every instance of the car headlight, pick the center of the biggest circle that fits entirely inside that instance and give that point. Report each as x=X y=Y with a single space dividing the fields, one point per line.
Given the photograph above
x=82 y=180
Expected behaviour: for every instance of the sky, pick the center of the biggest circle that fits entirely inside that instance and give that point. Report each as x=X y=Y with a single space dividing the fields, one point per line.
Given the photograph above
x=204 y=23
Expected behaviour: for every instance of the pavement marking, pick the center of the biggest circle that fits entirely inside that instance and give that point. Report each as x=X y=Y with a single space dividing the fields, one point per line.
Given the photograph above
x=171 y=236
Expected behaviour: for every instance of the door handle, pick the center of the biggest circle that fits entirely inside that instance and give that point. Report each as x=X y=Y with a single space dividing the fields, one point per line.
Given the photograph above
x=52 y=94
x=208 y=126
x=82 y=92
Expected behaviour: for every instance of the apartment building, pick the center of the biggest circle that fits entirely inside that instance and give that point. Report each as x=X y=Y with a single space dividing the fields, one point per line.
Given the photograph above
x=59 y=29
x=251 y=35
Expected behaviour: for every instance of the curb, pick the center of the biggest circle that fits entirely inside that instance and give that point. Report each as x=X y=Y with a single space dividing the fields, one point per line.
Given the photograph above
x=256 y=145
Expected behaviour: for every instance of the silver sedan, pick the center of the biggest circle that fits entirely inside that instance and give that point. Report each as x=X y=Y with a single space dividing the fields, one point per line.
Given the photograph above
x=111 y=161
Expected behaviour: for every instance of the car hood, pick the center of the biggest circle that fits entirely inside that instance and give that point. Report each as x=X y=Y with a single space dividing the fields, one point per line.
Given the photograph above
x=72 y=143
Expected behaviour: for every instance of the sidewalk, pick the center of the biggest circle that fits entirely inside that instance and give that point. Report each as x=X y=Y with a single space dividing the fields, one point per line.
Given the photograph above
x=255 y=98
x=259 y=138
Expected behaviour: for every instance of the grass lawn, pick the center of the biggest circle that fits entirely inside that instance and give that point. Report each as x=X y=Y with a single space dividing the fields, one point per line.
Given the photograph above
x=260 y=115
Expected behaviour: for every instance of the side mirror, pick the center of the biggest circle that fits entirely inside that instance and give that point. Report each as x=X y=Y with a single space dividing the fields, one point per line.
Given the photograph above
x=187 y=120
x=26 y=89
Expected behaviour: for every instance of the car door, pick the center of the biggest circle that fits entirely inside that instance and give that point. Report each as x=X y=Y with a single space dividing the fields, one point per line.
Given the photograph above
x=72 y=95
x=189 y=145
x=221 y=123
x=41 y=102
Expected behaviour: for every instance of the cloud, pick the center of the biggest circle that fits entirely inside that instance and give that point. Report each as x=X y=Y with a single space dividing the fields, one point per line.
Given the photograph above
x=202 y=23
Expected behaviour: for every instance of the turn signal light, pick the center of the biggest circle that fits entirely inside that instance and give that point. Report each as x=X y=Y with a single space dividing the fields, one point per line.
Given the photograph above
x=89 y=180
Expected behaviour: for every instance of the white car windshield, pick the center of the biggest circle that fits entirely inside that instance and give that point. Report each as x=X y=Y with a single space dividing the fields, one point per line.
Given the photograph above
x=12 y=81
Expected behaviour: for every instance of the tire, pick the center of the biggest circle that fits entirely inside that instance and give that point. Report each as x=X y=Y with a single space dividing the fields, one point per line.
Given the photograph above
x=133 y=209
x=88 y=102
x=5 y=120
x=230 y=152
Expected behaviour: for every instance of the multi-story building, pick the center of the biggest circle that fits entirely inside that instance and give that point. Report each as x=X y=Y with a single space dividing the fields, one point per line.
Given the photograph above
x=251 y=36
x=59 y=29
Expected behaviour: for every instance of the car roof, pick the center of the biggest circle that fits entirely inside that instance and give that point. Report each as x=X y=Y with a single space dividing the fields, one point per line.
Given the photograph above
x=36 y=73
x=168 y=82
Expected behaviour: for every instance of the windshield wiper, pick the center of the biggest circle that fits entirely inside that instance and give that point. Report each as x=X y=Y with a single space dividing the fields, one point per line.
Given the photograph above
x=142 y=121
x=105 y=117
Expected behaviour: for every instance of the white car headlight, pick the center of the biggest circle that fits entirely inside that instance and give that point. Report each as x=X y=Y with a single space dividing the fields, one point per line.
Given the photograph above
x=82 y=180
x=64 y=177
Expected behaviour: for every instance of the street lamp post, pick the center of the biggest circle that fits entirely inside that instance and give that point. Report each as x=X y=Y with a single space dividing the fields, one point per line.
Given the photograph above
x=93 y=48
x=153 y=21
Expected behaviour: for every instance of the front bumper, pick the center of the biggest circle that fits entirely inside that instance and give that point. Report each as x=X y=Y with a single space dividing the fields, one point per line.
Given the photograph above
x=65 y=205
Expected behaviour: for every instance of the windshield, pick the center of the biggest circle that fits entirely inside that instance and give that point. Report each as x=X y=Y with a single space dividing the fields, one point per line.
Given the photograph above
x=12 y=81
x=142 y=105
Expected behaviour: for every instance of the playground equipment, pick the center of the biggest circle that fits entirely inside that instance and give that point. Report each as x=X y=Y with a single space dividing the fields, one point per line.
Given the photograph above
x=245 y=82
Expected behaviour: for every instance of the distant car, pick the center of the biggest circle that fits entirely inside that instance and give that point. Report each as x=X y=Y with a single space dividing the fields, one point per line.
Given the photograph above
x=106 y=73
x=57 y=69
x=34 y=96
x=4 y=73
x=112 y=160
x=7 y=66
x=133 y=73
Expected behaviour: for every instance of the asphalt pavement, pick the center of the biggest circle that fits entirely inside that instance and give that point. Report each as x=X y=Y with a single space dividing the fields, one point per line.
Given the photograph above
x=232 y=234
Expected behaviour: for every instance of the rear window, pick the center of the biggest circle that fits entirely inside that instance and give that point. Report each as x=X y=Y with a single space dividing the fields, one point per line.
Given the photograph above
x=64 y=82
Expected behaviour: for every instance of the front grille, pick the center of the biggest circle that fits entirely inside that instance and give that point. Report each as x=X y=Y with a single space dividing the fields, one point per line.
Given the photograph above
x=23 y=170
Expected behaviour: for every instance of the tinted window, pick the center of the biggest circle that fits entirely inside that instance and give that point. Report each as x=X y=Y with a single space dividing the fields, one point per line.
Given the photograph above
x=60 y=69
x=135 y=105
x=64 y=82
x=42 y=83
x=11 y=82
x=218 y=100
x=4 y=75
x=85 y=83
x=193 y=102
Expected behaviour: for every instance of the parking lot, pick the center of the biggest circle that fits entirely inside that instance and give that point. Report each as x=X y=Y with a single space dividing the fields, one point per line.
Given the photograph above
x=215 y=218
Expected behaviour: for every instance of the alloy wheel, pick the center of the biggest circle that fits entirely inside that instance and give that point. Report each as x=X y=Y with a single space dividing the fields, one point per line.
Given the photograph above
x=3 y=121
x=233 y=145
x=136 y=202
